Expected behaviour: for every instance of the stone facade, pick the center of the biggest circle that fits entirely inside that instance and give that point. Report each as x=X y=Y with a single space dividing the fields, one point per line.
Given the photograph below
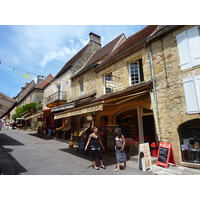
x=169 y=88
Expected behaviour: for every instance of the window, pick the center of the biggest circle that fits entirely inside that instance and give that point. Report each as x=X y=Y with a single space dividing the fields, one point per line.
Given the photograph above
x=192 y=94
x=81 y=87
x=134 y=73
x=189 y=133
x=107 y=77
x=189 y=48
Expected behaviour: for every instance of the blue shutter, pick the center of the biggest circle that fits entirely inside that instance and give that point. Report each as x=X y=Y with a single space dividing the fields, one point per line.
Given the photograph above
x=194 y=43
x=184 y=52
x=190 y=96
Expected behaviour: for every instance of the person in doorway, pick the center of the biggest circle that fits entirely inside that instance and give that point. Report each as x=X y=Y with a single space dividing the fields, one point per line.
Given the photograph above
x=95 y=142
x=119 y=149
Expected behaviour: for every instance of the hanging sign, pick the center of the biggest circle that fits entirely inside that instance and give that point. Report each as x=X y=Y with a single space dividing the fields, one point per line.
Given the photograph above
x=165 y=155
x=110 y=84
x=144 y=157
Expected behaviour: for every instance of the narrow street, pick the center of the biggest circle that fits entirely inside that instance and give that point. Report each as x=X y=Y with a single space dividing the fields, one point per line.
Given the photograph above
x=32 y=155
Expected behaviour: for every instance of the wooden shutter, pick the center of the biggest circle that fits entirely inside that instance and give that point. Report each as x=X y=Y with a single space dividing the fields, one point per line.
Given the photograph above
x=184 y=52
x=197 y=87
x=190 y=95
x=194 y=43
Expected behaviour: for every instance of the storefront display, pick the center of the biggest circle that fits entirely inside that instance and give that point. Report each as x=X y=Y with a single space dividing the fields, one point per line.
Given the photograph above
x=190 y=141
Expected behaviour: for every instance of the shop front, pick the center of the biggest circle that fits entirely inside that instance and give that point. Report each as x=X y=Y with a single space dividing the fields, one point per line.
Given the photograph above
x=189 y=133
x=134 y=116
x=78 y=119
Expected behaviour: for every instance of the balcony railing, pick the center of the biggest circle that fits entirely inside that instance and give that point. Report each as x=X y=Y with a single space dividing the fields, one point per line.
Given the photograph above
x=57 y=97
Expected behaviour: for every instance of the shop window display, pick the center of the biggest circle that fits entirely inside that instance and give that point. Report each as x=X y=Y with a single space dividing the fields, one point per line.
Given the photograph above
x=189 y=133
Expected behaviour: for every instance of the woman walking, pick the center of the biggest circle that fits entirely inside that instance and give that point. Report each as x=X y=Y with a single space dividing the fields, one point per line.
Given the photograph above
x=119 y=149
x=95 y=142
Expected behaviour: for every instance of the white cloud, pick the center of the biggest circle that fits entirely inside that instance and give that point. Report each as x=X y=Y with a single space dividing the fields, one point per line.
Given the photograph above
x=84 y=42
x=56 y=55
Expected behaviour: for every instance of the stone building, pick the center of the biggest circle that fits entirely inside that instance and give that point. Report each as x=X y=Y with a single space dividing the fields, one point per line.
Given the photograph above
x=59 y=92
x=32 y=93
x=113 y=90
x=175 y=57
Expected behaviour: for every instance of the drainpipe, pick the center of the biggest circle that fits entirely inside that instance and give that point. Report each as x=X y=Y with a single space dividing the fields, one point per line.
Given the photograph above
x=155 y=105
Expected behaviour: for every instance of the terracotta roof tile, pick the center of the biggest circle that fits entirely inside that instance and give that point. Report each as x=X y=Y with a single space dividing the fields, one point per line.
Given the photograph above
x=131 y=42
x=45 y=82
x=100 y=54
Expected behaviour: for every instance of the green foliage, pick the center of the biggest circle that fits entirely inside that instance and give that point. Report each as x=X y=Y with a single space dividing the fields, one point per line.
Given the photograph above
x=24 y=109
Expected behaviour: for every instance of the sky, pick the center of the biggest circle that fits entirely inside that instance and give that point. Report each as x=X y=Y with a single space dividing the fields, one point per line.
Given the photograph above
x=30 y=50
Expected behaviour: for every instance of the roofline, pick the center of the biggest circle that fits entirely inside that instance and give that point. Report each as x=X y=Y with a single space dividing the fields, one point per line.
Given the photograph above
x=163 y=31
x=118 y=55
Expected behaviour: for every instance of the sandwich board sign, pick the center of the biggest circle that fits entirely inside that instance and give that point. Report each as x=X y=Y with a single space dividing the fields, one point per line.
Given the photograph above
x=165 y=155
x=144 y=157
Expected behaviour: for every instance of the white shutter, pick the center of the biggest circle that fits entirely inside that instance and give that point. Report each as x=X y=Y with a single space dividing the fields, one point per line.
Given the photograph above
x=197 y=86
x=61 y=86
x=194 y=43
x=184 y=52
x=190 y=96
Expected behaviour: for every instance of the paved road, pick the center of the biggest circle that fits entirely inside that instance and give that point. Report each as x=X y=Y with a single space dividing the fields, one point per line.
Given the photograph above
x=33 y=155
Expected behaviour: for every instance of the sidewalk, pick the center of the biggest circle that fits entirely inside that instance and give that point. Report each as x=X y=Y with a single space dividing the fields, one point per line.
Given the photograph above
x=157 y=170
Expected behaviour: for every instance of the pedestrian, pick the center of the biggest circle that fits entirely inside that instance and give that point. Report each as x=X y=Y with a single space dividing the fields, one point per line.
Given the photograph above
x=49 y=131
x=95 y=142
x=119 y=149
x=7 y=125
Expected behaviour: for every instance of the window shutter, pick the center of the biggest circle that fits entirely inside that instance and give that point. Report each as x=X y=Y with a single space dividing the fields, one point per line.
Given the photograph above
x=184 y=52
x=197 y=86
x=190 y=96
x=194 y=43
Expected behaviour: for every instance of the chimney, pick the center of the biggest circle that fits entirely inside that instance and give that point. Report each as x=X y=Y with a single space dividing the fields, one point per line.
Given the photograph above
x=40 y=79
x=95 y=38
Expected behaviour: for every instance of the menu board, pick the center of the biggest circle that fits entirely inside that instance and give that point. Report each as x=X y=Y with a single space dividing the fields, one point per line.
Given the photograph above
x=144 y=158
x=165 y=155
x=82 y=142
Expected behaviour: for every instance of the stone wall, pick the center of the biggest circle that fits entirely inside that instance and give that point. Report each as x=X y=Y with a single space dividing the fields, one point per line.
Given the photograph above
x=169 y=88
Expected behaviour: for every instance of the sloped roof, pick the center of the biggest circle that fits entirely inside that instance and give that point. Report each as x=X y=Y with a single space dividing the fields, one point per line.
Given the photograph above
x=108 y=48
x=100 y=54
x=72 y=61
x=6 y=104
x=132 y=43
x=45 y=82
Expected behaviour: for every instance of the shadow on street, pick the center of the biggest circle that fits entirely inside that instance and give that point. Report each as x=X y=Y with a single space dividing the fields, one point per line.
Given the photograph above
x=8 y=163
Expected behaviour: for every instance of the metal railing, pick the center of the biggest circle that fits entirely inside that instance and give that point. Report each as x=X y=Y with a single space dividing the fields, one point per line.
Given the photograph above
x=58 y=96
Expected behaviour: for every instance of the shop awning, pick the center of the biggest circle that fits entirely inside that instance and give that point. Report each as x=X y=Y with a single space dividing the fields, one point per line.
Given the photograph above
x=81 y=110
x=35 y=115
x=6 y=104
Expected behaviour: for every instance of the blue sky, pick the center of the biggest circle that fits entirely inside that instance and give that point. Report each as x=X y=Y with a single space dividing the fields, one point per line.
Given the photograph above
x=44 y=49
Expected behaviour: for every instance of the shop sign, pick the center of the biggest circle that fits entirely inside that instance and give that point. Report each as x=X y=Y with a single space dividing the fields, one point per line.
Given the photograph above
x=144 y=157
x=110 y=84
x=64 y=107
x=165 y=155
x=89 y=117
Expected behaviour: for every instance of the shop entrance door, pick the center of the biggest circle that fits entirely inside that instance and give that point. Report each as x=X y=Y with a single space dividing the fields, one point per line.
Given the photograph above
x=149 y=128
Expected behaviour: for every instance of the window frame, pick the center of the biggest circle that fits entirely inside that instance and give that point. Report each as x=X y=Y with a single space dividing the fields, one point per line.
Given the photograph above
x=130 y=74
x=111 y=79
